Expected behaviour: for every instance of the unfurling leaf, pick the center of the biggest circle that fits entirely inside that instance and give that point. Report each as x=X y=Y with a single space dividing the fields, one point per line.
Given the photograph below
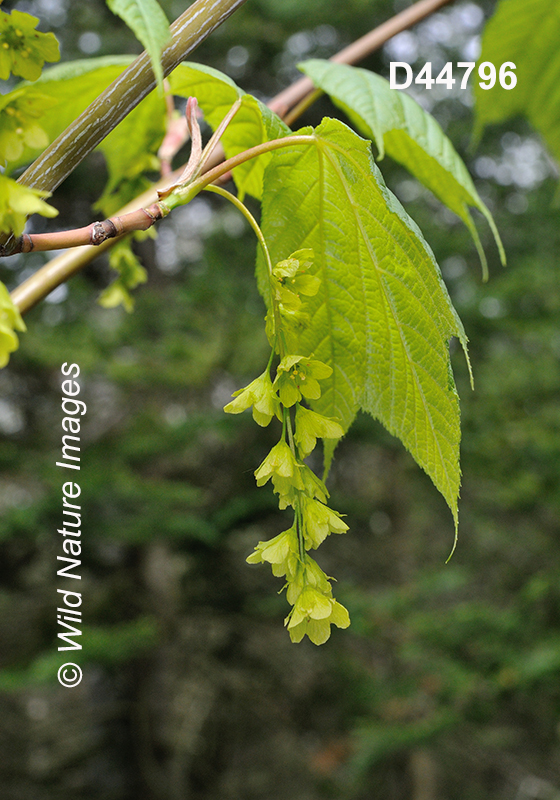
x=253 y=124
x=400 y=127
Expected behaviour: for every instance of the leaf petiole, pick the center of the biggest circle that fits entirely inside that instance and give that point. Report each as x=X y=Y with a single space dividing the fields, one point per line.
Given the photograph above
x=248 y=216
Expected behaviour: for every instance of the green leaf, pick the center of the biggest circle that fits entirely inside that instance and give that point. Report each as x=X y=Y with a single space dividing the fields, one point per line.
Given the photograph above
x=23 y=50
x=401 y=128
x=10 y=322
x=149 y=24
x=382 y=318
x=17 y=202
x=253 y=124
x=525 y=32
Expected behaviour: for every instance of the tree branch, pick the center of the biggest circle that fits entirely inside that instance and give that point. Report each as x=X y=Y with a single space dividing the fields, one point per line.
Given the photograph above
x=60 y=269
x=301 y=94
x=358 y=50
x=140 y=219
x=124 y=94
x=95 y=234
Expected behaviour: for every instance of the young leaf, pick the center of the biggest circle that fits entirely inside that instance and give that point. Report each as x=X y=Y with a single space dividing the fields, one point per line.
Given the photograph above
x=525 y=32
x=401 y=128
x=149 y=24
x=254 y=122
x=382 y=318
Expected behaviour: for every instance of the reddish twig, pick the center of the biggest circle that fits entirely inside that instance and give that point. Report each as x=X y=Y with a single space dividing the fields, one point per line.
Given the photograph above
x=94 y=234
x=60 y=269
x=123 y=95
x=297 y=97
x=358 y=50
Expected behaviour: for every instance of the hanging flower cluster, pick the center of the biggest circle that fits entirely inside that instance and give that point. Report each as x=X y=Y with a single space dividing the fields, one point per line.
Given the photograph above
x=297 y=379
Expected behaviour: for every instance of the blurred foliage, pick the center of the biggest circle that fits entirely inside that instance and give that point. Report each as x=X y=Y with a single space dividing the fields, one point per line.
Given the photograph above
x=517 y=34
x=447 y=683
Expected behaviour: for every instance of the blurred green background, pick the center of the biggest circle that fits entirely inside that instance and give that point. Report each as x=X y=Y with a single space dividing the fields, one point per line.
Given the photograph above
x=447 y=684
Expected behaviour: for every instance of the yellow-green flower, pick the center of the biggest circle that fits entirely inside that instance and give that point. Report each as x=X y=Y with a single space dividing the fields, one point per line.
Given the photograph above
x=302 y=482
x=19 y=111
x=300 y=261
x=298 y=376
x=280 y=552
x=290 y=281
x=289 y=478
x=311 y=603
x=23 y=50
x=308 y=573
x=315 y=609
x=287 y=489
x=10 y=321
x=319 y=520
x=279 y=462
x=311 y=426
x=259 y=394
x=319 y=630
x=17 y=202
x=312 y=485
x=315 y=576
x=291 y=273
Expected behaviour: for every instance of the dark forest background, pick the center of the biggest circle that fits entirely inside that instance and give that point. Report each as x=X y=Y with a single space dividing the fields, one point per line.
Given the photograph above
x=447 y=684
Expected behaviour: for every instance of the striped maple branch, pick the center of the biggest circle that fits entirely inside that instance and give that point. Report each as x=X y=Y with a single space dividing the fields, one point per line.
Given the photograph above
x=289 y=104
x=124 y=94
